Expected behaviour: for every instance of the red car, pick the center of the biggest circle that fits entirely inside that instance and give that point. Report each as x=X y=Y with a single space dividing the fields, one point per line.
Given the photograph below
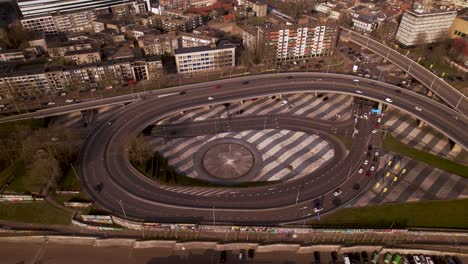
x=368 y=173
x=377 y=126
x=218 y=87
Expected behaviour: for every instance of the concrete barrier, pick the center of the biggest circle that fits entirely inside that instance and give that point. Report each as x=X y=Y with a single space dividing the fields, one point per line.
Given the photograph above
x=196 y=245
x=360 y=248
x=278 y=247
x=155 y=244
x=114 y=242
x=24 y=239
x=322 y=248
x=236 y=246
x=72 y=240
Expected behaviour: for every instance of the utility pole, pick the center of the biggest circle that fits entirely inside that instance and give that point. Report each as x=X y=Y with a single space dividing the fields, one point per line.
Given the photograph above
x=214 y=217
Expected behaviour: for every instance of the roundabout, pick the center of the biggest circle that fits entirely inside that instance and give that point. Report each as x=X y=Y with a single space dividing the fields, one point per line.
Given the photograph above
x=116 y=186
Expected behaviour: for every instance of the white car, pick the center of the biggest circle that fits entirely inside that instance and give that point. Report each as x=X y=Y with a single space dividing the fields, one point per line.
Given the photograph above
x=51 y=103
x=70 y=100
x=388 y=100
x=359 y=92
x=284 y=102
x=372 y=168
x=63 y=94
x=366 y=162
x=418 y=108
x=337 y=192
x=318 y=208
x=374 y=131
x=210 y=98
x=360 y=170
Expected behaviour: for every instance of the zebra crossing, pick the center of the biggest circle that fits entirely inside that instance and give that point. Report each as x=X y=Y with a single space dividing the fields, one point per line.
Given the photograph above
x=327 y=106
x=404 y=127
x=403 y=180
x=286 y=154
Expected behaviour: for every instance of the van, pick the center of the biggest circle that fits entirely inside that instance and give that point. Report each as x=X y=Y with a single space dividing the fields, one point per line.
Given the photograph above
x=375 y=257
x=346 y=259
x=387 y=258
x=396 y=259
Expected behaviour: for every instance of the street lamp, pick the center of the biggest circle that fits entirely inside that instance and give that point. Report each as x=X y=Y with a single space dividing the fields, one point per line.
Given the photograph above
x=121 y=205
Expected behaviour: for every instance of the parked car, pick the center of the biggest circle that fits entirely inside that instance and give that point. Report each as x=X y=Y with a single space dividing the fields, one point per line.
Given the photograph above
x=223 y=256
x=317 y=257
x=337 y=192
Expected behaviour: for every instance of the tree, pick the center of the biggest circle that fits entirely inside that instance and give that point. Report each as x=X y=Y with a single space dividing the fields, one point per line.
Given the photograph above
x=139 y=150
x=458 y=49
x=421 y=39
x=44 y=170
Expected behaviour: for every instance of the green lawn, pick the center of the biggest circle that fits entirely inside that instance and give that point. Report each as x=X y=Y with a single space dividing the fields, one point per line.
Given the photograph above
x=10 y=127
x=34 y=212
x=437 y=214
x=24 y=183
x=347 y=141
x=69 y=182
x=392 y=144
x=16 y=168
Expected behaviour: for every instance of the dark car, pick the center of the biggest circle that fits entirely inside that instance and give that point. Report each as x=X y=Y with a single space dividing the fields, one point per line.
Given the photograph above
x=457 y=260
x=251 y=253
x=290 y=77
x=218 y=87
x=317 y=257
x=223 y=256
x=334 y=257
x=183 y=92
x=397 y=91
x=245 y=82
x=365 y=257
x=357 y=257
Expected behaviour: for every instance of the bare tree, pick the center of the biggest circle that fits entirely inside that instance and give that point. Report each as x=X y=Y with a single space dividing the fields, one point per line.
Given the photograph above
x=139 y=150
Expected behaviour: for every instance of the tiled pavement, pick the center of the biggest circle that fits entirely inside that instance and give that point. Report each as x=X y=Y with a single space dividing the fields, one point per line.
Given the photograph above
x=279 y=148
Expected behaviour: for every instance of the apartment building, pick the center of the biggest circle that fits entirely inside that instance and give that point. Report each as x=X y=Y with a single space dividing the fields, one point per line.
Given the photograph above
x=83 y=56
x=32 y=8
x=259 y=7
x=58 y=49
x=459 y=28
x=11 y=55
x=202 y=59
x=291 y=42
x=167 y=43
x=170 y=22
x=418 y=27
x=138 y=31
x=27 y=80
x=367 y=19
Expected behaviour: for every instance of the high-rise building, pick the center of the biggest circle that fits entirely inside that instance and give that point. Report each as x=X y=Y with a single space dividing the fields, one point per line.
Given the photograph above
x=417 y=27
x=291 y=42
x=30 y=8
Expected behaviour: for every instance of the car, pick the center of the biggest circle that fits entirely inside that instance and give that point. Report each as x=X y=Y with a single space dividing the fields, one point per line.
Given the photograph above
x=110 y=122
x=355 y=81
x=51 y=103
x=284 y=102
x=337 y=192
x=365 y=257
x=289 y=77
x=317 y=257
x=359 y=92
x=389 y=163
x=318 y=79
x=360 y=170
x=388 y=100
x=372 y=168
x=377 y=126
x=397 y=91
x=418 y=108
x=63 y=94
x=376 y=153
x=454 y=117
x=251 y=253
x=366 y=162
x=346 y=259
x=368 y=173
x=245 y=82
x=295 y=62
x=334 y=256
x=375 y=257
x=183 y=92
x=405 y=259
x=223 y=256
x=93 y=90
x=410 y=259
x=365 y=116
x=422 y=259
x=429 y=260
x=210 y=98
x=403 y=171
x=457 y=260
x=374 y=131
x=242 y=254
x=109 y=87
x=318 y=208
x=70 y=100
x=218 y=87
x=449 y=260
x=379 y=120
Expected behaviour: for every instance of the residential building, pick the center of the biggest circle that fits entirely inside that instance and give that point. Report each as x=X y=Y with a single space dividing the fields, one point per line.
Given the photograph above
x=31 y=8
x=138 y=31
x=167 y=43
x=199 y=3
x=206 y=58
x=291 y=42
x=189 y=40
x=259 y=7
x=59 y=48
x=83 y=56
x=367 y=19
x=459 y=28
x=329 y=9
x=183 y=23
x=172 y=4
x=417 y=27
x=25 y=80
x=11 y=55
x=45 y=24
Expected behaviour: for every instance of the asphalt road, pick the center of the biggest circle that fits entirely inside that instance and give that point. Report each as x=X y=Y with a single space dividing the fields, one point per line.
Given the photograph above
x=109 y=178
x=437 y=85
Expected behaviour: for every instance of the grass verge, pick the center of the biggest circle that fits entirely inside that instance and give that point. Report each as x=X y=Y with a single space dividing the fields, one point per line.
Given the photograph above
x=435 y=214
x=34 y=212
x=347 y=141
x=393 y=145
x=69 y=182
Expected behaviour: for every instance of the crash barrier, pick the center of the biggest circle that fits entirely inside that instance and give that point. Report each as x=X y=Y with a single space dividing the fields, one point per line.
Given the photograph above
x=19 y=198
x=94 y=227
x=173 y=245
x=77 y=205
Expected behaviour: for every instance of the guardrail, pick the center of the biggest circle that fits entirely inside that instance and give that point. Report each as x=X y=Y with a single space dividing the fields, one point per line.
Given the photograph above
x=443 y=90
